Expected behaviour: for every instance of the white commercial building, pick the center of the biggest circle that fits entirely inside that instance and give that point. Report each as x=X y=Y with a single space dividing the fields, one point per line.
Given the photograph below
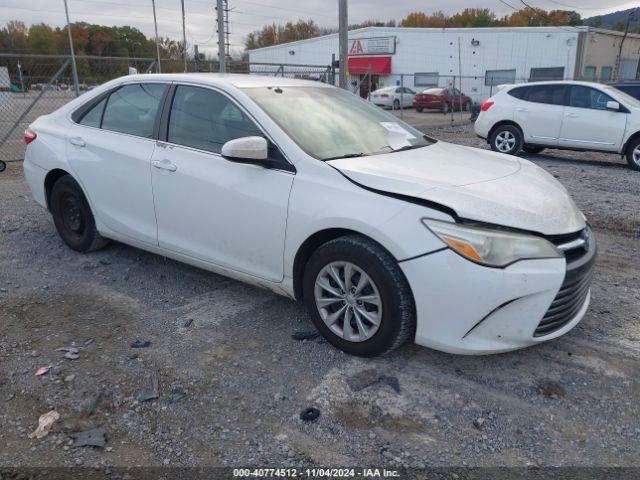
x=482 y=57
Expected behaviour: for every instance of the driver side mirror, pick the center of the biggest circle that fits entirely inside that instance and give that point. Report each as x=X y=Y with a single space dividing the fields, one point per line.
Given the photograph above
x=248 y=149
x=615 y=106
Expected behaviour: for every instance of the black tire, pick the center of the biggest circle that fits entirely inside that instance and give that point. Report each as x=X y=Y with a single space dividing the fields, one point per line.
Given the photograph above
x=419 y=109
x=396 y=104
x=72 y=216
x=398 y=321
x=633 y=164
x=445 y=108
x=510 y=131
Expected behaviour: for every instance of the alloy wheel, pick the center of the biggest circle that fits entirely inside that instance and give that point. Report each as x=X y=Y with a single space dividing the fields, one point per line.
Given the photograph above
x=635 y=155
x=348 y=301
x=505 y=141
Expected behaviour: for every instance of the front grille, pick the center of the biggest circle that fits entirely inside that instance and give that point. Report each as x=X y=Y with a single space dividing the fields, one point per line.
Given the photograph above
x=581 y=258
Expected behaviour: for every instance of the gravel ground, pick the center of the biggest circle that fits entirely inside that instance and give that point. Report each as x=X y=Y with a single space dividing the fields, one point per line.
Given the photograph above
x=231 y=374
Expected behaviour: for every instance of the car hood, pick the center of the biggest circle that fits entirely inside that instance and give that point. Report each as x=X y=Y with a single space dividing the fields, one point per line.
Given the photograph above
x=477 y=184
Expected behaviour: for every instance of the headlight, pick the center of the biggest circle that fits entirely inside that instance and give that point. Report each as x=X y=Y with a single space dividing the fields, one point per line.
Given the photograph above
x=494 y=248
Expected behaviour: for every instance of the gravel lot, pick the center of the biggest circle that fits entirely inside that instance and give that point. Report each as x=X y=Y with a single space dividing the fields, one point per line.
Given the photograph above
x=231 y=377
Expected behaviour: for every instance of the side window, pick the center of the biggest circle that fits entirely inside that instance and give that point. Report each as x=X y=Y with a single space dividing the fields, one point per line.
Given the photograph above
x=520 y=92
x=132 y=109
x=587 y=97
x=93 y=117
x=204 y=119
x=550 y=94
x=398 y=90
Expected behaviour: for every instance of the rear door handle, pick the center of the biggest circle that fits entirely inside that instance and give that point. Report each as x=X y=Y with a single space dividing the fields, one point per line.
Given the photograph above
x=572 y=115
x=77 y=141
x=521 y=109
x=164 y=165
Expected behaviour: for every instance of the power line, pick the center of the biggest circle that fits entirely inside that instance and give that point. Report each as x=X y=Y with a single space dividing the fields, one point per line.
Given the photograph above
x=580 y=8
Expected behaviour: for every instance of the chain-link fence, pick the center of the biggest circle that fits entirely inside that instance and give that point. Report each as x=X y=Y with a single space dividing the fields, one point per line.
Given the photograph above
x=35 y=85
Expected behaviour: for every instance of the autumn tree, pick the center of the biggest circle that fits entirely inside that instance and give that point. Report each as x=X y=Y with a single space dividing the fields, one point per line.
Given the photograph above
x=473 y=17
x=421 y=19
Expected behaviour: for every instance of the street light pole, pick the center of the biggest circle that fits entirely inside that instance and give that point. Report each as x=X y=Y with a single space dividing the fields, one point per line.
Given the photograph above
x=74 y=68
x=343 y=40
x=155 y=23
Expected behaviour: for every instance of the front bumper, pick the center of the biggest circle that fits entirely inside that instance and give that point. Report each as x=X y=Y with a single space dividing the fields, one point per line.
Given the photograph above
x=465 y=308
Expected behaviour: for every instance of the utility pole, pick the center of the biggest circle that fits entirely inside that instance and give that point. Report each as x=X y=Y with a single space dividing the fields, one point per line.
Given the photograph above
x=616 y=73
x=343 y=40
x=155 y=24
x=74 y=68
x=222 y=57
x=184 y=40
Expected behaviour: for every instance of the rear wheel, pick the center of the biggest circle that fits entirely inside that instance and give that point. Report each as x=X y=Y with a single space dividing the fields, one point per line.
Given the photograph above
x=506 y=139
x=358 y=297
x=396 y=104
x=532 y=149
x=418 y=109
x=633 y=154
x=72 y=216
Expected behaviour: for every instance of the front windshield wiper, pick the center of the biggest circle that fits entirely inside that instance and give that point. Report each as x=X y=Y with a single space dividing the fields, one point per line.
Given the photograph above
x=408 y=147
x=347 y=155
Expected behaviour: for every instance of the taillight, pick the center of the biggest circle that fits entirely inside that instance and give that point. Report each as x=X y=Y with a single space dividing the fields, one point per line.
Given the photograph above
x=486 y=106
x=385 y=95
x=29 y=136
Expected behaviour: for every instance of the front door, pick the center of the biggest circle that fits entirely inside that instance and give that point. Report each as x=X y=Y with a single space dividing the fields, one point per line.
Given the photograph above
x=110 y=151
x=587 y=122
x=540 y=113
x=226 y=213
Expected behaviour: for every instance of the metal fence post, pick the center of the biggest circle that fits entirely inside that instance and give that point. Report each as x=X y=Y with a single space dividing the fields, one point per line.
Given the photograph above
x=402 y=96
x=74 y=68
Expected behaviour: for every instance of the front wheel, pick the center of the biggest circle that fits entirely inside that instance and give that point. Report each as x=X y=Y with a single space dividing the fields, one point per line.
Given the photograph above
x=633 y=154
x=72 y=216
x=506 y=139
x=358 y=297
x=418 y=109
x=445 y=108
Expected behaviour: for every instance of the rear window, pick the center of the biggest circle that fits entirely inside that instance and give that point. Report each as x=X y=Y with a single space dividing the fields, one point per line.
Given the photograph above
x=433 y=91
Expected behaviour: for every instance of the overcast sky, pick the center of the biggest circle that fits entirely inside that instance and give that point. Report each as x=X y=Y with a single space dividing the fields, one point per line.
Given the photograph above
x=248 y=15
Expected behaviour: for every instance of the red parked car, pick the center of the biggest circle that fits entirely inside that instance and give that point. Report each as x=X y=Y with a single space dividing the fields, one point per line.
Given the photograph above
x=443 y=99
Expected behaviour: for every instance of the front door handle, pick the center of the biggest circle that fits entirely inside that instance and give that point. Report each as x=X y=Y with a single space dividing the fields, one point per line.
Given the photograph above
x=164 y=165
x=77 y=141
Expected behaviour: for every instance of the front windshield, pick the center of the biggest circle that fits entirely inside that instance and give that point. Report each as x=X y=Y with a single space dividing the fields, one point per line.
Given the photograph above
x=330 y=123
x=624 y=96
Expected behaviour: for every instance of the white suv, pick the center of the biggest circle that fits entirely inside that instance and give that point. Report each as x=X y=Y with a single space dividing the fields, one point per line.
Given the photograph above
x=566 y=115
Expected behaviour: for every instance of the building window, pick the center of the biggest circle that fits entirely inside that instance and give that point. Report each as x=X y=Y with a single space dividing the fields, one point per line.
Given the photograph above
x=547 y=73
x=589 y=74
x=499 y=77
x=429 y=79
x=606 y=73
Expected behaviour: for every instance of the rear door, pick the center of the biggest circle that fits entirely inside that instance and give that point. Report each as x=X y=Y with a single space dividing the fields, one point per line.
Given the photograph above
x=540 y=113
x=587 y=122
x=110 y=150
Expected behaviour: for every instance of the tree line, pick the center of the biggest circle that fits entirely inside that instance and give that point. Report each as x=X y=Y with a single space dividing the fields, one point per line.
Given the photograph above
x=273 y=34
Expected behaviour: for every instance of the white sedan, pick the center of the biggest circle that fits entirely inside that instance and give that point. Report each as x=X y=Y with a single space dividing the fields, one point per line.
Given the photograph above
x=305 y=189
x=393 y=97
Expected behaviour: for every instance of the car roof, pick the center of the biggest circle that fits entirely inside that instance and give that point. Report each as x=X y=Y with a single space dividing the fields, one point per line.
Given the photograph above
x=553 y=82
x=239 y=80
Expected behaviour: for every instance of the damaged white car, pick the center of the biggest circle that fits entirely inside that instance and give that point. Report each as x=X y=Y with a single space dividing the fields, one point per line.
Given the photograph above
x=385 y=234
